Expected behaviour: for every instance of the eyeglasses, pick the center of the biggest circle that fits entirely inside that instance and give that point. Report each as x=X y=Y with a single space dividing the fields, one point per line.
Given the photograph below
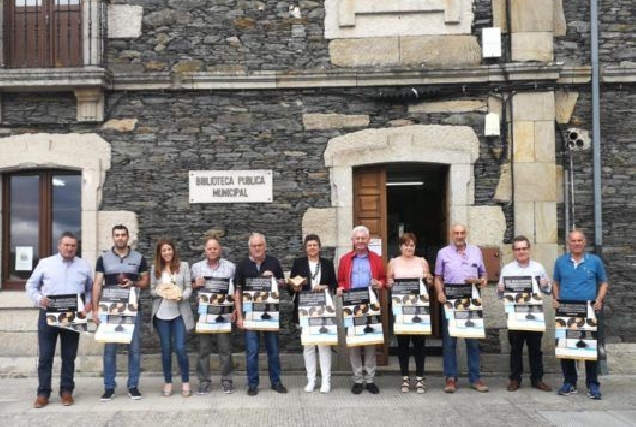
x=523 y=248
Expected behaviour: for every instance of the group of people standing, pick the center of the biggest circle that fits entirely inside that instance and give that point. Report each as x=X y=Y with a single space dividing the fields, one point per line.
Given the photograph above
x=577 y=275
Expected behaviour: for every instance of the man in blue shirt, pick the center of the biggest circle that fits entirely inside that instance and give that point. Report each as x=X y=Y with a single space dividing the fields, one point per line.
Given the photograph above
x=579 y=276
x=63 y=273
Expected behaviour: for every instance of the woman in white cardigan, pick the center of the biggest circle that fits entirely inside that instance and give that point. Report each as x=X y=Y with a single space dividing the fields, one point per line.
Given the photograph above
x=170 y=288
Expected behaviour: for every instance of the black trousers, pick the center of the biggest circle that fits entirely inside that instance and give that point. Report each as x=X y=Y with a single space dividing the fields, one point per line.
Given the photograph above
x=533 y=340
x=404 y=342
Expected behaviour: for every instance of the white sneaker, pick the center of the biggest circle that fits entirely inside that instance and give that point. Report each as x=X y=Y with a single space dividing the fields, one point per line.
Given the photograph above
x=325 y=388
x=309 y=388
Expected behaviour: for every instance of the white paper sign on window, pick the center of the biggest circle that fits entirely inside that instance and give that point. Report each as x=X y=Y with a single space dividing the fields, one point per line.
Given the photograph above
x=23 y=258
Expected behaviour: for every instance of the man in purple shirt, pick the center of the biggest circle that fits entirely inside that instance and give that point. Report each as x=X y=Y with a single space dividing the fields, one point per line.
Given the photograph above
x=459 y=262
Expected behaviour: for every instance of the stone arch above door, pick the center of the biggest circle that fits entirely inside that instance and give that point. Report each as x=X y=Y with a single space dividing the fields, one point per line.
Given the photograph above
x=88 y=153
x=456 y=146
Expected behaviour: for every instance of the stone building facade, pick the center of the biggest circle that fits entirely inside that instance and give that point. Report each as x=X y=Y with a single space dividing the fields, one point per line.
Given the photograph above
x=314 y=91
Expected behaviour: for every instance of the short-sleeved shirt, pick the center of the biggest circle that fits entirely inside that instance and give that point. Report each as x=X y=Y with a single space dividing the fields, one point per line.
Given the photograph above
x=455 y=267
x=248 y=268
x=579 y=281
x=225 y=269
x=110 y=264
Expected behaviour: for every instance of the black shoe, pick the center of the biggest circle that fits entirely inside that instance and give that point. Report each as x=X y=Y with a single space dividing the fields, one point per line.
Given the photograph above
x=279 y=388
x=109 y=394
x=252 y=390
x=134 y=393
x=357 y=388
x=373 y=389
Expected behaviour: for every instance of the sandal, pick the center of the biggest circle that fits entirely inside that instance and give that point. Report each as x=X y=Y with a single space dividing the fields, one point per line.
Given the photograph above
x=406 y=385
x=186 y=391
x=420 y=385
x=167 y=390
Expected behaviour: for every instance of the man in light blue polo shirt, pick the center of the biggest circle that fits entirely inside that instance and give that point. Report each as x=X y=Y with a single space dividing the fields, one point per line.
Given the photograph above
x=579 y=276
x=60 y=274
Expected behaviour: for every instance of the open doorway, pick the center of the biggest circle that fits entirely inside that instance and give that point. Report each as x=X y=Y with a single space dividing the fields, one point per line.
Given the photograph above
x=416 y=203
x=395 y=198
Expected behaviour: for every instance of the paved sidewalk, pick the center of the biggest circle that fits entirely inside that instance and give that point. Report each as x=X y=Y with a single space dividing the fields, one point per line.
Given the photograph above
x=526 y=407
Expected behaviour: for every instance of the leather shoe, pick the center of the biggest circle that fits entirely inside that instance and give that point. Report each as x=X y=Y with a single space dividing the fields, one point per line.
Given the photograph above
x=542 y=386
x=67 y=399
x=41 y=402
x=513 y=386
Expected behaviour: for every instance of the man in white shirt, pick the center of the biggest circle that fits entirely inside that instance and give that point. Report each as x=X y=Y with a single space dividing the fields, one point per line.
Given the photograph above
x=524 y=266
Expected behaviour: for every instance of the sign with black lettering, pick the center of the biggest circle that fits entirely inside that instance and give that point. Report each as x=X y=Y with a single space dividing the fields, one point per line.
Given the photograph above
x=362 y=318
x=575 y=330
x=523 y=303
x=410 y=305
x=463 y=310
x=230 y=186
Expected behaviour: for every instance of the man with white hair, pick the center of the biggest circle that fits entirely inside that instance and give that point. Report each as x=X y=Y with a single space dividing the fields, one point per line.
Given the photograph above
x=357 y=270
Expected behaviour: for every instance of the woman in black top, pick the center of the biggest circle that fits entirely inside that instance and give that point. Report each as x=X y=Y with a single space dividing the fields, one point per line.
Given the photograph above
x=319 y=274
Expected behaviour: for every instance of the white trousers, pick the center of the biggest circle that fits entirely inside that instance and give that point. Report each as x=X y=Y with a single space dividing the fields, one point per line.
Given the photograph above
x=309 y=354
x=355 y=358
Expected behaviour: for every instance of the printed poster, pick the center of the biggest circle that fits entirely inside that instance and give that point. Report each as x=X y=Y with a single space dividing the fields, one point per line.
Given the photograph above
x=362 y=321
x=410 y=305
x=215 y=306
x=260 y=304
x=575 y=330
x=523 y=303
x=317 y=316
x=463 y=310
x=67 y=311
x=117 y=311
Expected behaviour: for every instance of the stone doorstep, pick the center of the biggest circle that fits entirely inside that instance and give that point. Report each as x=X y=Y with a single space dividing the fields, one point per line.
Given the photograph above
x=492 y=364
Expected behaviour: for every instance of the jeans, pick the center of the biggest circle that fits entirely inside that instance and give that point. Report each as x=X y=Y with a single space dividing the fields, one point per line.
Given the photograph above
x=568 y=367
x=418 y=353
x=167 y=330
x=535 y=355
x=252 y=344
x=134 y=360
x=225 y=357
x=47 y=340
x=473 y=354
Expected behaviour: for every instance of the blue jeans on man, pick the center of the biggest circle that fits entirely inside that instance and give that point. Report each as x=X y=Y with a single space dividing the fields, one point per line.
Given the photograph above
x=47 y=340
x=134 y=360
x=473 y=354
x=252 y=344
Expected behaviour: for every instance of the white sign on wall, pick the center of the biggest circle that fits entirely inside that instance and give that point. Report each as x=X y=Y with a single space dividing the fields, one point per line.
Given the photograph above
x=231 y=186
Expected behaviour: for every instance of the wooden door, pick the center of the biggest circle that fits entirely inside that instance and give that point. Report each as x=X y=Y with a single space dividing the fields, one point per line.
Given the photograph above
x=369 y=209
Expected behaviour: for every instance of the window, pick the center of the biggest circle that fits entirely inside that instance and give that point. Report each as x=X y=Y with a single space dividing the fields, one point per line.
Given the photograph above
x=43 y=33
x=38 y=206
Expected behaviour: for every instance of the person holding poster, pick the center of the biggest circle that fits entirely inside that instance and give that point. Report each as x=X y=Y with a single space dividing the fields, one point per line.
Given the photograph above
x=258 y=264
x=409 y=266
x=458 y=263
x=63 y=273
x=361 y=269
x=213 y=267
x=579 y=276
x=122 y=267
x=318 y=276
x=170 y=289
x=523 y=266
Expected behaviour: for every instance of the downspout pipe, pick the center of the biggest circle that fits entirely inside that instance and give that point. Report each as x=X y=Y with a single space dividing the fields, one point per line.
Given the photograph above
x=596 y=144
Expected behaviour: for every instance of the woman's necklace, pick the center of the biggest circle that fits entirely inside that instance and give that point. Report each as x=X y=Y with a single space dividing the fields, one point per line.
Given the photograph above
x=316 y=272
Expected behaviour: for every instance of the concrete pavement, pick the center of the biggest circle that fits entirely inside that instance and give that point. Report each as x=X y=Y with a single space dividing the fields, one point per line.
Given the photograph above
x=526 y=407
